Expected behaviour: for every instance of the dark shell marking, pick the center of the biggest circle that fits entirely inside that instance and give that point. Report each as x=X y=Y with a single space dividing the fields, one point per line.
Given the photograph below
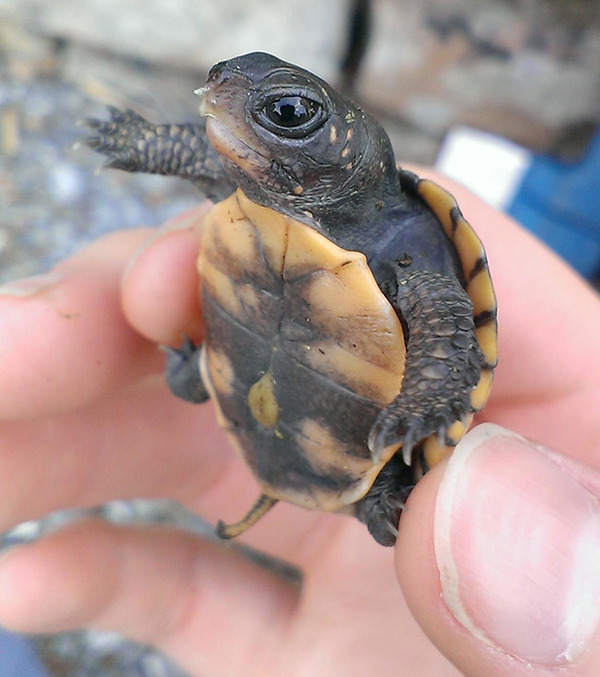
x=302 y=350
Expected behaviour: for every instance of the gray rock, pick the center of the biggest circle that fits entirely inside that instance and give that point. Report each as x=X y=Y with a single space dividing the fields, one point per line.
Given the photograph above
x=194 y=33
x=526 y=70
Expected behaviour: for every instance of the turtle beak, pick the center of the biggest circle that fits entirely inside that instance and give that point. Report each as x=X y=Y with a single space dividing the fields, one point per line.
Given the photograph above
x=206 y=105
x=222 y=101
x=222 y=92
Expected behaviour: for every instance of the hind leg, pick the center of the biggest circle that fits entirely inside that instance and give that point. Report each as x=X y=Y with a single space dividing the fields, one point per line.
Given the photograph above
x=380 y=509
x=182 y=372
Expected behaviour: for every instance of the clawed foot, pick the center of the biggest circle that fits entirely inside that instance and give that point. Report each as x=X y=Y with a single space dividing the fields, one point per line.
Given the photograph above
x=121 y=139
x=410 y=425
x=381 y=508
x=183 y=372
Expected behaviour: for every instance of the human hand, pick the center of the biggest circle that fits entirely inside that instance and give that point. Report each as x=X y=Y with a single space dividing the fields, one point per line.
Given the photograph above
x=87 y=418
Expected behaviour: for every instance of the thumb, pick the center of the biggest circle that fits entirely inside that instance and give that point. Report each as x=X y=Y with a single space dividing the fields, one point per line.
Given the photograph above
x=499 y=558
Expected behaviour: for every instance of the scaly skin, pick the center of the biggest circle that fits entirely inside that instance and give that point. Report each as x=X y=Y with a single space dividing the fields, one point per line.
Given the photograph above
x=380 y=509
x=133 y=144
x=442 y=354
x=182 y=372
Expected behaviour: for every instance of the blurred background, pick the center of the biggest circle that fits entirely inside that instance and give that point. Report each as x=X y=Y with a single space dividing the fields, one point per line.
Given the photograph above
x=503 y=95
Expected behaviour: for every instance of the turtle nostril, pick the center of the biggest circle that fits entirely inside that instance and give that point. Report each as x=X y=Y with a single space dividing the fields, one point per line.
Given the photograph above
x=218 y=74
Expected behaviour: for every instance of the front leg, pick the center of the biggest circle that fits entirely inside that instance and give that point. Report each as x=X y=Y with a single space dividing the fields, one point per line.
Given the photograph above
x=443 y=362
x=133 y=144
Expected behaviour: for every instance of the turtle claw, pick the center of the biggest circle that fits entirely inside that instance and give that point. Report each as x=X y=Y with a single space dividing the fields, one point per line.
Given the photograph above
x=388 y=431
x=407 y=446
x=118 y=138
x=92 y=123
x=94 y=142
x=395 y=503
x=396 y=427
x=393 y=529
x=116 y=162
x=120 y=116
x=376 y=442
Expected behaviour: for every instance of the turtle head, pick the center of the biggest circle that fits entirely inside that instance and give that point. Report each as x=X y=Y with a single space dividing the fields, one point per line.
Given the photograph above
x=291 y=142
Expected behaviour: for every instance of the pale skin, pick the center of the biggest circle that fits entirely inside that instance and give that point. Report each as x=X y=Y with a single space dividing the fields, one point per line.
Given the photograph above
x=87 y=418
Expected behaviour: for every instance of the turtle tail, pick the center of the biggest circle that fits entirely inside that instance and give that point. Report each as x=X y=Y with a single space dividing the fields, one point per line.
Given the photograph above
x=258 y=510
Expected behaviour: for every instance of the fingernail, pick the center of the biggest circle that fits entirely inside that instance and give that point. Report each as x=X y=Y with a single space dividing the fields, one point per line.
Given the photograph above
x=30 y=286
x=517 y=544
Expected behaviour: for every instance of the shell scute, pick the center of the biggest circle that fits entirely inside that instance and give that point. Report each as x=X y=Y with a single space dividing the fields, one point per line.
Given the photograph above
x=328 y=344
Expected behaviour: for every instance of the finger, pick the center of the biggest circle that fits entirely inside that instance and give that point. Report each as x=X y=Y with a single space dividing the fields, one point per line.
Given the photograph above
x=189 y=597
x=140 y=442
x=64 y=339
x=503 y=569
x=161 y=289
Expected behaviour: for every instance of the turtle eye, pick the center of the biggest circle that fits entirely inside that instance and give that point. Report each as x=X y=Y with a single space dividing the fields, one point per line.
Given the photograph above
x=291 y=111
x=291 y=115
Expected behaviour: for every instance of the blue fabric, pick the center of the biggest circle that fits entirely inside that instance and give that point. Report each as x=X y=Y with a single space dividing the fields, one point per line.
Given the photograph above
x=18 y=657
x=560 y=202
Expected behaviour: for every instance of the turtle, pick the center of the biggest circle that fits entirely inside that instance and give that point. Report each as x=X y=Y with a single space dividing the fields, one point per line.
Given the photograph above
x=350 y=316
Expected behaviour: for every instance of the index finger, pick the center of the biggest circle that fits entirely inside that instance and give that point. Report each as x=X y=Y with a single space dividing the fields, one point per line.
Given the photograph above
x=63 y=338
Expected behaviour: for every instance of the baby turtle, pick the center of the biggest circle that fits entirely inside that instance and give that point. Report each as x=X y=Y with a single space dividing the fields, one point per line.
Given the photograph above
x=350 y=316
